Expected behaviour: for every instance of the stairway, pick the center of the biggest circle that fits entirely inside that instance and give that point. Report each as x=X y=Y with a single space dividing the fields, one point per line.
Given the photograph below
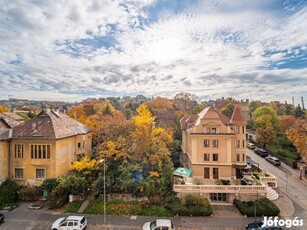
x=271 y=194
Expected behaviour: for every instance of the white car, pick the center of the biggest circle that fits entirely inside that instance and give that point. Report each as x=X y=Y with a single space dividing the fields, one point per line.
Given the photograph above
x=70 y=223
x=159 y=224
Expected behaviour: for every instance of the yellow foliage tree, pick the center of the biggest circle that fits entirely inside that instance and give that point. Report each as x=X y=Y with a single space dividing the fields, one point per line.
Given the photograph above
x=4 y=109
x=150 y=143
x=85 y=165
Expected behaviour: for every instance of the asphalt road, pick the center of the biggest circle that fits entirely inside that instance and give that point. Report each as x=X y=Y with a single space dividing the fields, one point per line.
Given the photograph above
x=287 y=183
x=22 y=218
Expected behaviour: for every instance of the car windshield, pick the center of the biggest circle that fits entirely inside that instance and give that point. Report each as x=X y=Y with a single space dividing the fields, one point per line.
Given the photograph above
x=153 y=224
x=63 y=220
x=82 y=220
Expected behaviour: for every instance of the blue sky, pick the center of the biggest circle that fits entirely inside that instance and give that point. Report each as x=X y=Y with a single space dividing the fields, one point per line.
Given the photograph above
x=72 y=50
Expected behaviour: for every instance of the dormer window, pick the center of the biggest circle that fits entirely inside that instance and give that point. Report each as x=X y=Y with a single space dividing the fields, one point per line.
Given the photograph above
x=211 y=131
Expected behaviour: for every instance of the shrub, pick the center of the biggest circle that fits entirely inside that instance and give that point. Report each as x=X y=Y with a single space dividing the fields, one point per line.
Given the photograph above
x=256 y=174
x=29 y=194
x=8 y=192
x=198 y=181
x=264 y=207
x=218 y=182
x=193 y=206
x=58 y=197
x=49 y=184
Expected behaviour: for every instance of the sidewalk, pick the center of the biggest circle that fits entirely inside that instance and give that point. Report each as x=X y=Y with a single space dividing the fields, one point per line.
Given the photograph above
x=294 y=173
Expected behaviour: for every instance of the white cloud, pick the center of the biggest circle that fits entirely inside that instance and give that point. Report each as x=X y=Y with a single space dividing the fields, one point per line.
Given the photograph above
x=224 y=47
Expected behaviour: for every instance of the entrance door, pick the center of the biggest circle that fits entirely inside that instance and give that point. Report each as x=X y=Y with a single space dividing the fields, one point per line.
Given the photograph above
x=206 y=173
x=215 y=173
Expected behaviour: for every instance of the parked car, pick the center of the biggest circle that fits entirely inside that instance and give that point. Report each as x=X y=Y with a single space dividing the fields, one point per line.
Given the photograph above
x=261 y=152
x=257 y=225
x=250 y=145
x=159 y=224
x=1 y=218
x=245 y=182
x=70 y=222
x=273 y=160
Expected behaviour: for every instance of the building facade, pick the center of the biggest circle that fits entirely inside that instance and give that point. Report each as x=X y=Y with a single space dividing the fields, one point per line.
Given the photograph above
x=43 y=147
x=213 y=145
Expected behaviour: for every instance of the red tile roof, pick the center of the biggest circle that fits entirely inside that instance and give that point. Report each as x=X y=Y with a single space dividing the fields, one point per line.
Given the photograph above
x=237 y=117
x=49 y=125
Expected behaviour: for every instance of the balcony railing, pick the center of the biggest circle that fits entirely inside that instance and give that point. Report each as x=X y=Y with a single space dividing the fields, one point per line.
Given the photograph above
x=248 y=189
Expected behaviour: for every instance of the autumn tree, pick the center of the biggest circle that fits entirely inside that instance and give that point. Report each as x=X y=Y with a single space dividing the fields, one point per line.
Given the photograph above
x=85 y=166
x=297 y=133
x=286 y=122
x=4 y=109
x=185 y=101
x=150 y=142
x=266 y=136
x=263 y=117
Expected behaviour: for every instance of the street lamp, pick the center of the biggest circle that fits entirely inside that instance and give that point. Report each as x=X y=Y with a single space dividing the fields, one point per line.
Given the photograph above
x=104 y=188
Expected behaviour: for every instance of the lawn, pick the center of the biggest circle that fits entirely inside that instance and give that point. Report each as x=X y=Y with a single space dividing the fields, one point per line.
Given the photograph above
x=118 y=207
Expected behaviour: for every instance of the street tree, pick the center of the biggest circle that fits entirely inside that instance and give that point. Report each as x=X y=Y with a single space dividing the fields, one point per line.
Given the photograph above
x=266 y=136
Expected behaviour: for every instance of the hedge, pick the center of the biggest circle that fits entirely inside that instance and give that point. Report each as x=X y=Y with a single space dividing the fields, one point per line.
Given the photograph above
x=264 y=207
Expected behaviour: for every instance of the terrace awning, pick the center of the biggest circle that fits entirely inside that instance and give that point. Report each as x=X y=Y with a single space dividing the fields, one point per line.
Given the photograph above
x=184 y=172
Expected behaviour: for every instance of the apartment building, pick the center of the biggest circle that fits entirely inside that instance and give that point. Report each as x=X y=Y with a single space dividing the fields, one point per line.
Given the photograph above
x=213 y=145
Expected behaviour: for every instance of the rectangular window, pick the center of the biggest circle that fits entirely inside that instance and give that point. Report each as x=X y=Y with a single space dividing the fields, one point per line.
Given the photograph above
x=208 y=130
x=19 y=150
x=18 y=173
x=215 y=143
x=215 y=173
x=40 y=173
x=218 y=197
x=213 y=130
x=79 y=145
x=237 y=143
x=243 y=129
x=215 y=157
x=243 y=157
x=238 y=157
x=206 y=173
x=237 y=129
x=206 y=143
x=40 y=151
x=243 y=144
x=206 y=157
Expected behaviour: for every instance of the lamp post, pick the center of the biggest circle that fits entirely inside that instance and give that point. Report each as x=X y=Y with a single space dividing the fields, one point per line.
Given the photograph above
x=104 y=188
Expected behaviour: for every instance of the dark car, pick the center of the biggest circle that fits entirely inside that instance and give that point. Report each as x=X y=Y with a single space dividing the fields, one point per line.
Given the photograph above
x=1 y=218
x=257 y=225
x=273 y=160
x=261 y=152
x=246 y=182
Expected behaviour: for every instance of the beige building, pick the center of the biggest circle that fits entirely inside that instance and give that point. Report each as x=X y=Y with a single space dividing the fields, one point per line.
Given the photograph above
x=214 y=146
x=43 y=147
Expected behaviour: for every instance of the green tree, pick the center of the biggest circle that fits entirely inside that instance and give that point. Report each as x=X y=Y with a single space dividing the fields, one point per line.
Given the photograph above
x=253 y=105
x=265 y=116
x=298 y=112
x=227 y=110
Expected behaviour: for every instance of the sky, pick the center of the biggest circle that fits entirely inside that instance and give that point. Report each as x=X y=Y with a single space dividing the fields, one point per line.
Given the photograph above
x=72 y=50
